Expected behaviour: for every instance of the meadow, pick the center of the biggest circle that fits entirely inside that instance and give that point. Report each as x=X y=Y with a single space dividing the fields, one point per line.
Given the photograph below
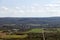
x=35 y=34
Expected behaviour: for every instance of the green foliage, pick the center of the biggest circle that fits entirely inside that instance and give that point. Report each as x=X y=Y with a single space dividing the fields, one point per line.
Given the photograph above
x=14 y=36
x=36 y=30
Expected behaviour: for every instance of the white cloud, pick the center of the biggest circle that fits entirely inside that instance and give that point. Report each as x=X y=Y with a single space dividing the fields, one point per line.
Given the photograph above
x=52 y=5
x=17 y=7
x=21 y=11
x=4 y=8
x=35 y=10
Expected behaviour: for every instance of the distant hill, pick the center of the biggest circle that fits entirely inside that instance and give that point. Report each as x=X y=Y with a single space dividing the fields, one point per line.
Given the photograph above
x=48 y=20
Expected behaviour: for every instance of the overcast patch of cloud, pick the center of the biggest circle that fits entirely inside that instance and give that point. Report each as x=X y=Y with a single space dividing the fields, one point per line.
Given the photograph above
x=51 y=9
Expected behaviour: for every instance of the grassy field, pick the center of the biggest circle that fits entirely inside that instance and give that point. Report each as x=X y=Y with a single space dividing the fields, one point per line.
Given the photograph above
x=40 y=30
x=36 y=30
x=14 y=36
x=36 y=34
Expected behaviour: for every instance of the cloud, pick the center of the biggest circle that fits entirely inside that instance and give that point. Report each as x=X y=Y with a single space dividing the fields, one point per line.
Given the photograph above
x=53 y=9
x=17 y=7
x=52 y=5
x=36 y=10
x=3 y=10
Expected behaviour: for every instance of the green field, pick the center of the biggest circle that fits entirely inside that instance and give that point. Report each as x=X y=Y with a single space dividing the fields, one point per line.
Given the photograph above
x=15 y=36
x=40 y=30
x=36 y=34
x=36 y=30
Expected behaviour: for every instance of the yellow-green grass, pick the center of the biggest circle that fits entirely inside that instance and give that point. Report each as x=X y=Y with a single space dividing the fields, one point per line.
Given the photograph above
x=40 y=30
x=36 y=30
x=14 y=36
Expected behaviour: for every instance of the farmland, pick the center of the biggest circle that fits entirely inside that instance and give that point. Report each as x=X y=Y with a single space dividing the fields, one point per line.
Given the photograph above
x=30 y=28
x=35 y=34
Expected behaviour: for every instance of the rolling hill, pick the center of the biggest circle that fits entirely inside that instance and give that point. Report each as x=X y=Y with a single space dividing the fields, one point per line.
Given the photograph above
x=51 y=21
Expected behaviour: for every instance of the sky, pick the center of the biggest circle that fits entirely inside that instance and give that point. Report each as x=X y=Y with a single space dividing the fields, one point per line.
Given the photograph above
x=29 y=8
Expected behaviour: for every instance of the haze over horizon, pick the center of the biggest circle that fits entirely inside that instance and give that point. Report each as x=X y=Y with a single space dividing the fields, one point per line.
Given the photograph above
x=29 y=8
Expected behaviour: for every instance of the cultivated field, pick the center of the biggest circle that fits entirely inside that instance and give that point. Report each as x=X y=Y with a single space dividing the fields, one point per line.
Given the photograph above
x=34 y=34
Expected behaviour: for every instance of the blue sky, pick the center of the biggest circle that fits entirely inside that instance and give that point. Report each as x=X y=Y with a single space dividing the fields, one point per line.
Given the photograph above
x=29 y=8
